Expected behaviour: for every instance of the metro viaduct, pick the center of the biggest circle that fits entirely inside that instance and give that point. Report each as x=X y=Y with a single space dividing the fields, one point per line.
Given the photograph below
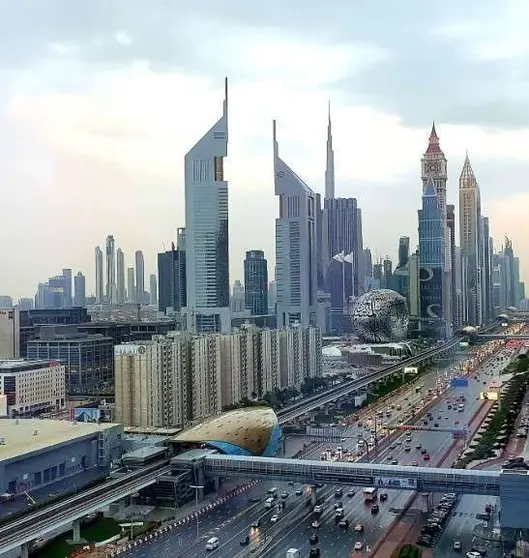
x=512 y=486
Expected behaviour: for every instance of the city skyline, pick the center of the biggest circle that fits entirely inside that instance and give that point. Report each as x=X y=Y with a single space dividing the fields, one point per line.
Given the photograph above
x=131 y=153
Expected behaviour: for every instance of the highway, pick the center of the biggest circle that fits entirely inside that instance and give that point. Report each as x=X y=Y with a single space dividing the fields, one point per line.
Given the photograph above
x=231 y=522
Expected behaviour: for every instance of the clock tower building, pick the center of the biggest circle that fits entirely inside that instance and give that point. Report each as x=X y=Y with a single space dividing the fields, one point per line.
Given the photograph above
x=434 y=168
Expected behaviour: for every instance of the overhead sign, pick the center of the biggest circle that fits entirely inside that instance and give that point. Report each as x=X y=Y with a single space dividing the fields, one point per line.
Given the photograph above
x=411 y=370
x=325 y=434
x=459 y=383
x=489 y=395
x=390 y=482
x=340 y=477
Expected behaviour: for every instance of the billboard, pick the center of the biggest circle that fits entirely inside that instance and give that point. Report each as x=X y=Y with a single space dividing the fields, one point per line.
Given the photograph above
x=411 y=370
x=431 y=292
x=3 y=405
x=129 y=350
x=86 y=414
x=489 y=395
x=390 y=482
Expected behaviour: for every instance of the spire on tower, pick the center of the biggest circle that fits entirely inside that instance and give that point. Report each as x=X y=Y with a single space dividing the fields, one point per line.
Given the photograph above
x=467 y=173
x=329 y=169
x=433 y=142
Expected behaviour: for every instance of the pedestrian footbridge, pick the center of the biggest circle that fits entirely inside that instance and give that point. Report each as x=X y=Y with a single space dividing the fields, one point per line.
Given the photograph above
x=512 y=486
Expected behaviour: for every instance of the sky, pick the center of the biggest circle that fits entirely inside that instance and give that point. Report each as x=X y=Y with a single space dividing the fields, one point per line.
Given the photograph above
x=99 y=102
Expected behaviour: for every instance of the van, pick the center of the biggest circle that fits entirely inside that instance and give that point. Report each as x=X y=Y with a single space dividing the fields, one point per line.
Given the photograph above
x=272 y=491
x=212 y=543
x=269 y=502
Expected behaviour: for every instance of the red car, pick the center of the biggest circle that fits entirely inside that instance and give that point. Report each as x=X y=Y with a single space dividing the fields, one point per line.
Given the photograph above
x=426 y=457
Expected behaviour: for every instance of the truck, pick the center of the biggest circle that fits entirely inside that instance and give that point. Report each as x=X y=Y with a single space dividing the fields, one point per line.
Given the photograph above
x=293 y=553
x=370 y=494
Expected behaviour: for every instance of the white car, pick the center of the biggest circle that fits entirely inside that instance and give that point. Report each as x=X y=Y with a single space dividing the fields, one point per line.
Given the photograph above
x=359 y=545
x=274 y=518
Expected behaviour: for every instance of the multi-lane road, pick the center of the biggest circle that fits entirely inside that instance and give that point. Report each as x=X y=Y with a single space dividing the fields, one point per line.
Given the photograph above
x=232 y=522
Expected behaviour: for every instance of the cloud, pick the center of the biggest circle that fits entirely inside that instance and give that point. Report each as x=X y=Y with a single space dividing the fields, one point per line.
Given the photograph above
x=101 y=100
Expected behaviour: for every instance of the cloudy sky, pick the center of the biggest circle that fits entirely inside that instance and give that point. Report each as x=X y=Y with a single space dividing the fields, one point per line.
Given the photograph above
x=100 y=99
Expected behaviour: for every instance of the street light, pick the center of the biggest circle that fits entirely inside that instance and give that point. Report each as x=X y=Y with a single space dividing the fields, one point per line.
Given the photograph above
x=197 y=487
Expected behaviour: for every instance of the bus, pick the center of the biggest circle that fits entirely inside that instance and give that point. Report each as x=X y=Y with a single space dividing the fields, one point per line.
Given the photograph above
x=370 y=494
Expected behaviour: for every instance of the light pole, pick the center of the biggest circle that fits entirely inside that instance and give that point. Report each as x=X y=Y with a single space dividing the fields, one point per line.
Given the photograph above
x=197 y=487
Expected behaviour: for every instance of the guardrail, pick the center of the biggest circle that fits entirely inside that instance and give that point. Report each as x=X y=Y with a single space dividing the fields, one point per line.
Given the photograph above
x=36 y=524
x=313 y=402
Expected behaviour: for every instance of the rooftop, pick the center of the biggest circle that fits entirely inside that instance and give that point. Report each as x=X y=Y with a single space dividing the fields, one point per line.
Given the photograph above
x=20 y=439
x=21 y=364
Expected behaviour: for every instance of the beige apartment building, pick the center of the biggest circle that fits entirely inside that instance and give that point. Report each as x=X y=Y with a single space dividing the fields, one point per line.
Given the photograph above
x=174 y=380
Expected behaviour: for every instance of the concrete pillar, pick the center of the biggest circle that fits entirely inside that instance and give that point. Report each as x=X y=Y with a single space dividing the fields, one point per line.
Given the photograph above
x=216 y=480
x=313 y=495
x=76 y=531
x=24 y=550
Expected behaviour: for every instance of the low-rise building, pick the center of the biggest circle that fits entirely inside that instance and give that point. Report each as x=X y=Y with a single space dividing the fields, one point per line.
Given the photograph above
x=31 y=387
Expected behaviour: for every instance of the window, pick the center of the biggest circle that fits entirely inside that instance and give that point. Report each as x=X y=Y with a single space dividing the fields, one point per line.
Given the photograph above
x=219 y=169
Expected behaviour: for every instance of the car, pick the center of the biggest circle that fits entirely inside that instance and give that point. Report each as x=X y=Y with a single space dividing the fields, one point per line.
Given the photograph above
x=472 y=554
x=407 y=448
x=351 y=493
x=414 y=463
x=343 y=523
x=359 y=545
x=245 y=541
x=274 y=518
x=394 y=462
x=359 y=527
x=290 y=483
x=256 y=524
x=418 y=446
x=338 y=493
x=315 y=524
x=314 y=553
x=424 y=450
x=374 y=509
x=299 y=492
x=436 y=425
x=392 y=446
x=426 y=457
x=457 y=546
x=314 y=539
x=383 y=496
x=284 y=495
x=254 y=499
x=338 y=504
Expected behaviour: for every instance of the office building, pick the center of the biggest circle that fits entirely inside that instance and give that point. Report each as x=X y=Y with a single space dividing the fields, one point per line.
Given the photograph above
x=26 y=304
x=9 y=333
x=88 y=358
x=172 y=280
x=296 y=246
x=120 y=277
x=131 y=285
x=99 y=275
x=329 y=167
x=206 y=235
x=237 y=302
x=153 y=290
x=486 y=269
x=28 y=388
x=401 y=273
x=432 y=258
x=451 y=225
x=256 y=283
x=140 y=276
x=414 y=301
x=55 y=292
x=470 y=244
x=110 y=288
x=434 y=167
x=67 y=274
x=6 y=302
x=79 y=290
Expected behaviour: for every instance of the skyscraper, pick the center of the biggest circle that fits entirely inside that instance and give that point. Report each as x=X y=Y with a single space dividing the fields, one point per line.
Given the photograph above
x=172 y=280
x=99 y=275
x=131 y=285
x=401 y=273
x=329 y=169
x=434 y=166
x=469 y=241
x=111 y=270
x=153 y=290
x=451 y=225
x=67 y=274
x=486 y=269
x=140 y=276
x=256 y=283
x=296 y=246
x=120 y=276
x=432 y=259
x=206 y=236
x=79 y=290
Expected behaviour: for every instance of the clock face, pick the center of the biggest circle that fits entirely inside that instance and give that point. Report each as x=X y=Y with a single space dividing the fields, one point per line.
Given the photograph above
x=433 y=167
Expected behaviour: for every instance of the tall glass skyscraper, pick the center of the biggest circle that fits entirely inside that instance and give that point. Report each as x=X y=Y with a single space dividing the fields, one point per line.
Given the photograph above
x=432 y=255
x=207 y=256
x=256 y=283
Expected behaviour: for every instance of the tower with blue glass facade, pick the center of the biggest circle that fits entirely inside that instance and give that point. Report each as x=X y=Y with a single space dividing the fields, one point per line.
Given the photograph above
x=432 y=259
